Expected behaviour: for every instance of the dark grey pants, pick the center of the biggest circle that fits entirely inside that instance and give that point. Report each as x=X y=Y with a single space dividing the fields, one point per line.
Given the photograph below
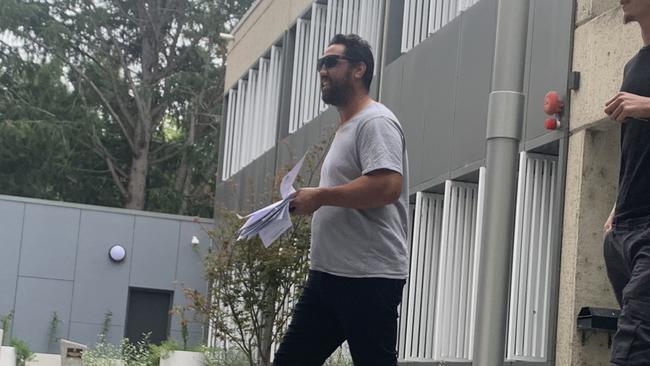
x=627 y=257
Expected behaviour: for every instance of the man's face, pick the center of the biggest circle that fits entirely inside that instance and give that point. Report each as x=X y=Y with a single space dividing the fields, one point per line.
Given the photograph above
x=336 y=80
x=635 y=10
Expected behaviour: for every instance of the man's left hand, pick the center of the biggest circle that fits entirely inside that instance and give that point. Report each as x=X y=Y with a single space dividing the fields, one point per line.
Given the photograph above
x=624 y=105
x=306 y=201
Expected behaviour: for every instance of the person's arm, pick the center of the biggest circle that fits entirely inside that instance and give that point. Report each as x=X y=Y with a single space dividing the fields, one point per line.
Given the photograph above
x=624 y=105
x=608 y=224
x=375 y=189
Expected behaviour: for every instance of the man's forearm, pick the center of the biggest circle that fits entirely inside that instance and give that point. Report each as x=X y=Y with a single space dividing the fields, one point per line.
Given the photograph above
x=367 y=191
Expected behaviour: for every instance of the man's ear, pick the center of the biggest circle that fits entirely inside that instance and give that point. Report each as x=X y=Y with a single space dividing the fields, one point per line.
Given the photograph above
x=360 y=70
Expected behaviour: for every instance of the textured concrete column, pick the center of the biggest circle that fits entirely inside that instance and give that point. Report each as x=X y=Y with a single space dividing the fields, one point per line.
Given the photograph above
x=591 y=184
x=602 y=46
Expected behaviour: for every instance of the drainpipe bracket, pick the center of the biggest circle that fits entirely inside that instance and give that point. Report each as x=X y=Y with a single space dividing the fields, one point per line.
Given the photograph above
x=505 y=115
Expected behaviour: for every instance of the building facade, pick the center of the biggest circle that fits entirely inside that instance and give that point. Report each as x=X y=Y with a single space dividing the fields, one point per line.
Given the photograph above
x=434 y=67
x=58 y=280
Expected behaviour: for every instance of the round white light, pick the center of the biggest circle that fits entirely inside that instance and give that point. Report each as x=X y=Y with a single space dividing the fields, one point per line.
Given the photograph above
x=117 y=253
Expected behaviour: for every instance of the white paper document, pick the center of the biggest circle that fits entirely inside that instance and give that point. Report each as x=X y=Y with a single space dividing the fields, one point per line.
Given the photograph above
x=273 y=220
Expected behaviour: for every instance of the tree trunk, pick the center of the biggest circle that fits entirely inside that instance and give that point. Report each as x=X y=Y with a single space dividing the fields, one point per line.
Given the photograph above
x=136 y=190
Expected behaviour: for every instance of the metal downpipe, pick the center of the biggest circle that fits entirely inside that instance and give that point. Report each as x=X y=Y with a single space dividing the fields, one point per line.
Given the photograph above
x=504 y=126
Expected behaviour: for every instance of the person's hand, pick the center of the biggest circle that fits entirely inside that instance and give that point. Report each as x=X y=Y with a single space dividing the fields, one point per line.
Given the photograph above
x=608 y=224
x=305 y=202
x=624 y=105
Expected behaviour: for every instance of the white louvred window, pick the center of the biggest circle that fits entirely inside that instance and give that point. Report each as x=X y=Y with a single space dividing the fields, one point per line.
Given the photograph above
x=534 y=259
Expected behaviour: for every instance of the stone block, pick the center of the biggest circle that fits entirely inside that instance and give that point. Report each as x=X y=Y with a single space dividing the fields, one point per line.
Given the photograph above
x=588 y=9
x=602 y=47
x=71 y=352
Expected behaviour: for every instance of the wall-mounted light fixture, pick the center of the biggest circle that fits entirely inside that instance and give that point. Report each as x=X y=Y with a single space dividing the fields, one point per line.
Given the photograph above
x=195 y=240
x=117 y=253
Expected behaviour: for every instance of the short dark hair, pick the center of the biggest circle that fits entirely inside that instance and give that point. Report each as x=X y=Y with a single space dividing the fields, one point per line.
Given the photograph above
x=357 y=50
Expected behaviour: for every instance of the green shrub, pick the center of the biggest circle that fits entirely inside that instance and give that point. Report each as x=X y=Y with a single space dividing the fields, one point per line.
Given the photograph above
x=23 y=352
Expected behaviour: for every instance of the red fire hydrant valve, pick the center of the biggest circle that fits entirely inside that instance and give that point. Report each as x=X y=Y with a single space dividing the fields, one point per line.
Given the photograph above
x=553 y=106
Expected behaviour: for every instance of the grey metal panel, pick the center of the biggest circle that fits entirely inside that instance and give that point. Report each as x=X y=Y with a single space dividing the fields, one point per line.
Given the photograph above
x=392 y=89
x=477 y=35
x=190 y=273
x=438 y=88
x=88 y=333
x=155 y=249
x=549 y=59
x=36 y=301
x=11 y=217
x=412 y=114
x=100 y=284
x=49 y=242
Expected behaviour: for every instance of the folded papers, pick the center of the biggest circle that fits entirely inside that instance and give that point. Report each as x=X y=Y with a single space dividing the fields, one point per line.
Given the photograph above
x=273 y=220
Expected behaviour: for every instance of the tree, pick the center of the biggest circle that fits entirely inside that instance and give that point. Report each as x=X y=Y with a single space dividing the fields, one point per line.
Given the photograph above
x=142 y=83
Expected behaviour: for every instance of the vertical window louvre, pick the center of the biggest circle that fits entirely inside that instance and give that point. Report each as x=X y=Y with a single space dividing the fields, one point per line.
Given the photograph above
x=534 y=259
x=458 y=270
x=298 y=80
x=252 y=113
x=418 y=306
x=423 y=17
x=226 y=165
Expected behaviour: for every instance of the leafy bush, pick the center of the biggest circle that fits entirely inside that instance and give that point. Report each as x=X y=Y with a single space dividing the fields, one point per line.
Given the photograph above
x=23 y=352
x=126 y=354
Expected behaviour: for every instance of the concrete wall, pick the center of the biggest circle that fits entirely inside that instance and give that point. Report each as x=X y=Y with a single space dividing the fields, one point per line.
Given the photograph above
x=602 y=46
x=55 y=259
x=257 y=31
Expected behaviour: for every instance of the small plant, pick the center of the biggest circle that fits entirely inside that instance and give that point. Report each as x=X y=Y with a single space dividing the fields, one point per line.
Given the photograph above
x=53 y=330
x=126 y=354
x=23 y=352
x=221 y=357
x=106 y=326
x=6 y=323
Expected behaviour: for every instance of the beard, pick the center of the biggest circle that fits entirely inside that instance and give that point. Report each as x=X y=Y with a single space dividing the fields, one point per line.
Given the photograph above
x=338 y=92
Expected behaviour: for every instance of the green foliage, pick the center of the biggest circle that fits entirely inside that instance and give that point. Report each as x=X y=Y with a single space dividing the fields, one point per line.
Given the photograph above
x=126 y=354
x=23 y=352
x=53 y=330
x=222 y=357
x=340 y=357
x=6 y=324
x=106 y=326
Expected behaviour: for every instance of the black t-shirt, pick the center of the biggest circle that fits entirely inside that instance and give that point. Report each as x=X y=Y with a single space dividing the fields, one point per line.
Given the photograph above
x=634 y=180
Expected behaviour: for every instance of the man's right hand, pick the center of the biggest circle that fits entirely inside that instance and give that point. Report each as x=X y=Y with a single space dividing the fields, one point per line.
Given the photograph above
x=624 y=105
x=608 y=224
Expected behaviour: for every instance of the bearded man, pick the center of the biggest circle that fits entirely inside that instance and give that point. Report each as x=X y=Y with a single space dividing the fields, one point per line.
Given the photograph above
x=359 y=255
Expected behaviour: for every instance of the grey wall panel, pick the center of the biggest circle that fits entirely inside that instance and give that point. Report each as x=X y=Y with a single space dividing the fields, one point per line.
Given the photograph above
x=194 y=338
x=190 y=273
x=392 y=89
x=155 y=249
x=11 y=229
x=548 y=59
x=88 y=333
x=97 y=278
x=49 y=246
x=412 y=114
x=436 y=102
x=36 y=301
x=477 y=35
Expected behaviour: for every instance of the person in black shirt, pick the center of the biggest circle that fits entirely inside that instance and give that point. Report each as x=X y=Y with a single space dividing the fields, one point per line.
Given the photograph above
x=627 y=230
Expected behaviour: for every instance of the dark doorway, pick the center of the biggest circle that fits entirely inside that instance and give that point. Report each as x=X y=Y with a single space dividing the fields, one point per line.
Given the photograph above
x=148 y=312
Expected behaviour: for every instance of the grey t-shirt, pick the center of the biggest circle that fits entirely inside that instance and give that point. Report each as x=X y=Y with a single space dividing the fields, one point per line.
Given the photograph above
x=363 y=242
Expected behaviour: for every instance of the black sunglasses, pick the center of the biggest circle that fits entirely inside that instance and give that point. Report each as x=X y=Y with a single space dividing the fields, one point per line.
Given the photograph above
x=330 y=61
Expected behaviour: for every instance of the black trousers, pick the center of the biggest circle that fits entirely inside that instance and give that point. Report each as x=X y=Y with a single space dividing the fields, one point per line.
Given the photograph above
x=627 y=257
x=333 y=309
